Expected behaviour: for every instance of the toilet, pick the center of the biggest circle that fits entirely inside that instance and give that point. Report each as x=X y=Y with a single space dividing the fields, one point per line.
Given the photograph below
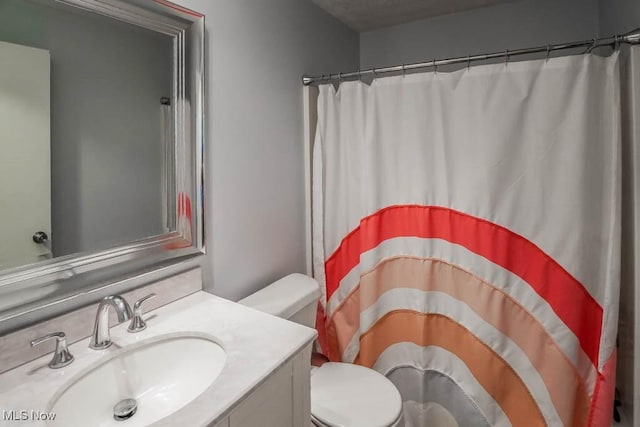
x=342 y=394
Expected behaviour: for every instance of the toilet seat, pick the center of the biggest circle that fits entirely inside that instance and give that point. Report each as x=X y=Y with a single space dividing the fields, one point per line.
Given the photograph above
x=346 y=395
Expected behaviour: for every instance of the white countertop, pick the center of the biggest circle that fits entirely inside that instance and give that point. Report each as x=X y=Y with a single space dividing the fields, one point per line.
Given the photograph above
x=256 y=344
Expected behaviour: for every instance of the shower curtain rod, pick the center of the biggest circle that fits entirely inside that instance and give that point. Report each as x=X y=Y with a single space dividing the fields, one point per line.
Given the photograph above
x=632 y=37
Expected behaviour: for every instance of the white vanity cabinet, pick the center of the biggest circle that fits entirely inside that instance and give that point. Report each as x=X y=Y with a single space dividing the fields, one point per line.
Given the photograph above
x=282 y=400
x=232 y=366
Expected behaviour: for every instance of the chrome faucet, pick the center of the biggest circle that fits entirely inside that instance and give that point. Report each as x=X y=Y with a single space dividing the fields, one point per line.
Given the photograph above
x=101 y=338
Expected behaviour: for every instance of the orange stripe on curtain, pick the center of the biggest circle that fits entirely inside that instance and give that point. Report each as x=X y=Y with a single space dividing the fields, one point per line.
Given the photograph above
x=437 y=330
x=568 y=298
x=565 y=385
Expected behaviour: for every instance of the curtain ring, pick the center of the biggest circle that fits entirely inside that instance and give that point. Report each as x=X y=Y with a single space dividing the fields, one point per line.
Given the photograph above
x=548 y=51
x=468 y=62
x=506 y=56
x=339 y=78
x=404 y=70
x=435 y=67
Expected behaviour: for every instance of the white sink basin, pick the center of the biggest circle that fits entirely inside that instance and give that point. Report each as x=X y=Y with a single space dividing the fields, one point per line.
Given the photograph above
x=162 y=376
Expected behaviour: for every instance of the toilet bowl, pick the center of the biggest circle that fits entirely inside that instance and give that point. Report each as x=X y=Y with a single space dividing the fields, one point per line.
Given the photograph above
x=342 y=394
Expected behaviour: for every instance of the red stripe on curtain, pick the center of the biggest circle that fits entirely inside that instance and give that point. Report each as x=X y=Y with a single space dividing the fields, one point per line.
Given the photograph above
x=566 y=295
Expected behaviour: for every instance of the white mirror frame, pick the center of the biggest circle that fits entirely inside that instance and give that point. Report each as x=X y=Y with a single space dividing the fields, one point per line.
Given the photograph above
x=78 y=275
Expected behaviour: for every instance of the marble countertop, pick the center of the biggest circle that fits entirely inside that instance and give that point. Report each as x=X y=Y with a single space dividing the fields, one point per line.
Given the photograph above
x=255 y=343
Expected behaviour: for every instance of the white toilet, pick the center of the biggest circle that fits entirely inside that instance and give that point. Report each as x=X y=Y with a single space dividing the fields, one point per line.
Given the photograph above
x=342 y=394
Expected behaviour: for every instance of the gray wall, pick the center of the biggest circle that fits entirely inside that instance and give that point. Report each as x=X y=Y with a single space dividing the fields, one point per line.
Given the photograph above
x=619 y=16
x=521 y=23
x=106 y=82
x=257 y=52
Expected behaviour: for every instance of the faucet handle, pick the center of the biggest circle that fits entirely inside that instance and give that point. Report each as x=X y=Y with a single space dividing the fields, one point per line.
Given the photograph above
x=137 y=323
x=61 y=355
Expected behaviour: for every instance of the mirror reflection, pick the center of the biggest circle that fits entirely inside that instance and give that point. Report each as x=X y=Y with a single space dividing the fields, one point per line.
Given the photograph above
x=85 y=132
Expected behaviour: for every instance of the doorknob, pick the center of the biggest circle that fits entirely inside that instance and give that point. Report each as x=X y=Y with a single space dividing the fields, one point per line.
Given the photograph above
x=40 y=237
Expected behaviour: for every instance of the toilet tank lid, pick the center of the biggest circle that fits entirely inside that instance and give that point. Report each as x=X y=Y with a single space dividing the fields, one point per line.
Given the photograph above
x=286 y=296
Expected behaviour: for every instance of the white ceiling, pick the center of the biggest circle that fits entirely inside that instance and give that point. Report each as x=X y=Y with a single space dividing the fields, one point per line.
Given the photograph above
x=366 y=15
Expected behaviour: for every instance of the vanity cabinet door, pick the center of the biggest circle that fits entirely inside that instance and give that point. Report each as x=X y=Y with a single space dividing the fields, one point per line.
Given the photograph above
x=283 y=400
x=271 y=405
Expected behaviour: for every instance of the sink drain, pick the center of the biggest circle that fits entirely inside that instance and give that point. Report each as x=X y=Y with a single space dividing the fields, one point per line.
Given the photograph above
x=125 y=409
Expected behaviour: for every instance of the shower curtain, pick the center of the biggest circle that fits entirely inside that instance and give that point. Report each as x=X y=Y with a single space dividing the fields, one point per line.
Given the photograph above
x=466 y=234
x=628 y=373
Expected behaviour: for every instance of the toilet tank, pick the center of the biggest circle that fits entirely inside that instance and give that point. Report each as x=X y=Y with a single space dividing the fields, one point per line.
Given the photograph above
x=294 y=297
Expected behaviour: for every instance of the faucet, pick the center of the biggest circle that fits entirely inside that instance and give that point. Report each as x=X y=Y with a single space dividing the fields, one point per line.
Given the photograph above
x=101 y=338
x=61 y=356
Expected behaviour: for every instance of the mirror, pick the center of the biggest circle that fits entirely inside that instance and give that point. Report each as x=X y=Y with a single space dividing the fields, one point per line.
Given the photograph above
x=101 y=136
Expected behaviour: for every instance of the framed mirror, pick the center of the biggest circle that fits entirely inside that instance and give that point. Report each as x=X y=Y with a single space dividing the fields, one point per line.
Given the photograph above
x=101 y=129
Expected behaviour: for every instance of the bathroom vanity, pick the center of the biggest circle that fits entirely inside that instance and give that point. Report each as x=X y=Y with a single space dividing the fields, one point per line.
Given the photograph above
x=202 y=361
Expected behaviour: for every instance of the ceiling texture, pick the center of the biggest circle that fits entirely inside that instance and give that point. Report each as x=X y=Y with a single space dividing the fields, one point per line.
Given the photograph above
x=367 y=15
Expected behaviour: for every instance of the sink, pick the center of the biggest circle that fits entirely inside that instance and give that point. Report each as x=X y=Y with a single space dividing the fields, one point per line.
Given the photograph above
x=162 y=376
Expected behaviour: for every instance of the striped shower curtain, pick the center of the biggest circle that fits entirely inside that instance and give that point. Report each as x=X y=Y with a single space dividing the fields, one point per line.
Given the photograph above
x=467 y=238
